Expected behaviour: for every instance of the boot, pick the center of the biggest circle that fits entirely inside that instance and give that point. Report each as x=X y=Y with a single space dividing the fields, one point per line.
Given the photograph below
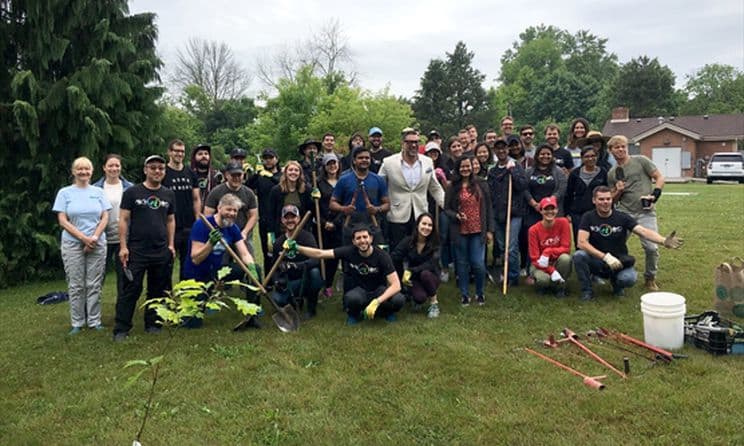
x=651 y=284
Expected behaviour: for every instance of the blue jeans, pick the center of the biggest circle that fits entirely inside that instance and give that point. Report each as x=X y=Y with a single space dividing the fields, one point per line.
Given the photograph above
x=446 y=255
x=500 y=236
x=587 y=265
x=296 y=291
x=470 y=251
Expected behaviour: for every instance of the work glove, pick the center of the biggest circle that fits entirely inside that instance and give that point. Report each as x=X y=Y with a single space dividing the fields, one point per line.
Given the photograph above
x=556 y=277
x=252 y=269
x=215 y=236
x=510 y=164
x=441 y=177
x=290 y=247
x=287 y=266
x=612 y=262
x=406 y=280
x=369 y=312
x=543 y=262
x=270 y=239
x=266 y=173
x=248 y=169
x=673 y=242
x=315 y=194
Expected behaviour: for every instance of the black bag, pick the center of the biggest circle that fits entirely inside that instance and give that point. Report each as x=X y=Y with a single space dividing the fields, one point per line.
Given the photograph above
x=54 y=297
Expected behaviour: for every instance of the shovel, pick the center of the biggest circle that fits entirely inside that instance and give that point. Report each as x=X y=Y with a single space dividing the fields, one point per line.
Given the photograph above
x=285 y=318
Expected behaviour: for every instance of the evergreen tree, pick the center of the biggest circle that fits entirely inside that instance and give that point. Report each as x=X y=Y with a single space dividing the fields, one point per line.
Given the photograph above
x=76 y=80
x=646 y=87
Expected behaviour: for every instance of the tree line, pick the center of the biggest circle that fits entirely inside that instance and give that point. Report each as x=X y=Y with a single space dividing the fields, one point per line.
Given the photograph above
x=84 y=78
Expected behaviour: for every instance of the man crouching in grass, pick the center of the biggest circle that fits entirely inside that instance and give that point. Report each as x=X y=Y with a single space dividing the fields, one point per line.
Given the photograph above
x=371 y=285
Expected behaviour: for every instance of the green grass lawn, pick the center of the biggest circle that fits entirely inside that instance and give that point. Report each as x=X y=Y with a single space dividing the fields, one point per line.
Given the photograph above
x=460 y=379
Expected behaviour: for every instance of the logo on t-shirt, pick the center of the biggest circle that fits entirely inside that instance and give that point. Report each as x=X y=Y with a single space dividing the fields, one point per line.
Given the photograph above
x=363 y=269
x=152 y=202
x=541 y=179
x=552 y=241
x=203 y=182
x=606 y=230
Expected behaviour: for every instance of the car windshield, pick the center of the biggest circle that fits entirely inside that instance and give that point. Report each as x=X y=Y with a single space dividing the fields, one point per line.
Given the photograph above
x=733 y=158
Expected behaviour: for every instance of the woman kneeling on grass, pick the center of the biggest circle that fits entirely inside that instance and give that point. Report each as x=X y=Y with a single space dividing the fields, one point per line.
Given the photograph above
x=83 y=212
x=470 y=210
x=419 y=255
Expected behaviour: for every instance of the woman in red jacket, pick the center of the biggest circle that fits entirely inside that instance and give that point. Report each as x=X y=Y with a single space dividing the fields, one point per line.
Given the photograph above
x=550 y=247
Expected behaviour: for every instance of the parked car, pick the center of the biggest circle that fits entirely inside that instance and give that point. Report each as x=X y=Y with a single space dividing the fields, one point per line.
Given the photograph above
x=726 y=166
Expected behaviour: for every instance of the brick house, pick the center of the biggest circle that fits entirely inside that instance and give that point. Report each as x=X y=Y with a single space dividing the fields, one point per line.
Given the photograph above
x=675 y=144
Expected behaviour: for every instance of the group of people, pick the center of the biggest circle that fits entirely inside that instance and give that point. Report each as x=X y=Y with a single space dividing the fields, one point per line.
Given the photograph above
x=396 y=223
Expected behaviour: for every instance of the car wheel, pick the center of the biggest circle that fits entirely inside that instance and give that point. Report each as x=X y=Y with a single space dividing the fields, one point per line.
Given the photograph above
x=709 y=180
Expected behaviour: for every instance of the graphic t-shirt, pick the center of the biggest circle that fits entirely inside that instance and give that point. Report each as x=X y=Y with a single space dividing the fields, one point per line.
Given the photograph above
x=366 y=272
x=563 y=158
x=83 y=207
x=207 y=269
x=148 y=233
x=182 y=183
x=608 y=234
x=542 y=184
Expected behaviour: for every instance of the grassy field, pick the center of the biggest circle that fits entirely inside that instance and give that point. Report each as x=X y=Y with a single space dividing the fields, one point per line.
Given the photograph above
x=461 y=379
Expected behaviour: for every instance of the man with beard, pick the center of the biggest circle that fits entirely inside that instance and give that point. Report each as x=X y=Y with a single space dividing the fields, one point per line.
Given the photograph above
x=507 y=126
x=376 y=151
x=603 y=249
x=527 y=135
x=184 y=184
x=410 y=177
x=147 y=227
x=308 y=150
x=248 y=212
x=371 y=285
x=563 y=158
x=299 y=278
x=360 y=186
x=207 y=253
x=266 y=177
x=473 y=134
x=490 y=137
x=201 y=164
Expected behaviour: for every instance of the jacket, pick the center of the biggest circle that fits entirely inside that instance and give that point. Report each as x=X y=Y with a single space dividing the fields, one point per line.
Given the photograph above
x=125 y=184
x=579 y=194
x=498 y=184
x=403 y=198
x=276 y=203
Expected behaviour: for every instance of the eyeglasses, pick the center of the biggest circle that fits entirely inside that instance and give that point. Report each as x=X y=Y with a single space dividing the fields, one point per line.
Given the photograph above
x=162 y=168
x=411 y=143
x=528 y=133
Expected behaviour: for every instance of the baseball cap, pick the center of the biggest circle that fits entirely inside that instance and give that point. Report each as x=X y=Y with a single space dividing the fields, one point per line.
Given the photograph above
x=328 y=157
x=154 y=159
x=374 y=131
x=203 y=146
x=234 y=167
x=513 y=139
x=268 y=153
x=432 y=146
x=548 y=201
x=237 y=152
x=290 y=209
x=499 y=142
x=434 y=132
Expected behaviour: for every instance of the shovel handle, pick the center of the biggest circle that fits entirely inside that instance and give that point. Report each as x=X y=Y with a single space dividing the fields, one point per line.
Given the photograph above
x=284 y=251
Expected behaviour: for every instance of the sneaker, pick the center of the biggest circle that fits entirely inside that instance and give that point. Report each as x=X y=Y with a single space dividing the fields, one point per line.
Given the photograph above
x=153 y=330
x=481 y=300
x=651 y=284
x=433 y=311
x=618 y=292
x=417 y=307
x=99 y=328
x=598 y=280
x=587 y=296
x=351 y=320
x=523 y=272
x=75 y=330
x=391 y=318
x=309 y=315
x=490 y=277
x=121 y=336
x=560 y=293
x=465 y=301
x=328 y=292
x=444 y=276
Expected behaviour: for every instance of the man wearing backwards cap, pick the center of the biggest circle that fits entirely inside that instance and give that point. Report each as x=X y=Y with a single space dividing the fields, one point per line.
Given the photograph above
x=299 y=278
x=147 y=227
x=603 y=249
x=376 y=151
x=549 y=246
x=248 y=212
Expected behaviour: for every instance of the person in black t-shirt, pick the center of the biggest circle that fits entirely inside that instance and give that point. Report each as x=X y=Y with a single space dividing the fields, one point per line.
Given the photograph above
x=371 y=285
x=563 y=158
x=261 y=182
x=147 y=227
x=184 y=184
x=603 y=251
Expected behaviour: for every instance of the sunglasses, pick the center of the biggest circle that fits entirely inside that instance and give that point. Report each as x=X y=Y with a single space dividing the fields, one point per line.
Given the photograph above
x=528 y=133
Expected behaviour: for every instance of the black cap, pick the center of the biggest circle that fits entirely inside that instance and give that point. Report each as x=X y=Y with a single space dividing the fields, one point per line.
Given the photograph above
x=513 y=139
x=233 y=167
x=358 y=149
x=269 y=153
x=308 y=142
x=154 y=159
x=500 y=141
x=237 y=152
x=203 y=146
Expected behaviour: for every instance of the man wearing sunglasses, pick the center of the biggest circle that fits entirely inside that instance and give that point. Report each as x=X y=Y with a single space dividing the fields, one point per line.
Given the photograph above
x=527 y=135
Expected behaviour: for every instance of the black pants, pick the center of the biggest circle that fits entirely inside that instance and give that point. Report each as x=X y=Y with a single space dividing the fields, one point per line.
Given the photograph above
x=112 y=256
x=158 y=282
x=268 y=261
x=357 y=299
x=398 y=231
x=182 y=248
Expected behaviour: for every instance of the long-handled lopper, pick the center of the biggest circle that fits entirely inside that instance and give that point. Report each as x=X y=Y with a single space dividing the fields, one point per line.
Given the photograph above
x=590 y=381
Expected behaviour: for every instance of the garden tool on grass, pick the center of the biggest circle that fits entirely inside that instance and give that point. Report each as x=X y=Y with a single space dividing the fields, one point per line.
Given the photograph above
x=286 y=317
x=574 y=339
x=590 y=381
x=284 y=251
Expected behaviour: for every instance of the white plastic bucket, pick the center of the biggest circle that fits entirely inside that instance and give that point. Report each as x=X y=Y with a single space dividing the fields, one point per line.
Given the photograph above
x=664 y=319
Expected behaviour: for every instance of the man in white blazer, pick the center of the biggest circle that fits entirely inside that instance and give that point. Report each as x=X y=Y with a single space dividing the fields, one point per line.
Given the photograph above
x=409 y=178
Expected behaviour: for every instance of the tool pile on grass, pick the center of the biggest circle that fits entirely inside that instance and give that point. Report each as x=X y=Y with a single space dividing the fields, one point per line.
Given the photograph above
x=604 y=339
x=714 y=334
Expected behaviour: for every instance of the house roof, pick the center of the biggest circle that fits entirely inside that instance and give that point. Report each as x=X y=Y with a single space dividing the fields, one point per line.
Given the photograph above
x=712 y=128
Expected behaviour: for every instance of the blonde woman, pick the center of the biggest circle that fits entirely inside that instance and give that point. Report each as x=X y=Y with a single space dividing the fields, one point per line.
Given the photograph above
x=291 y=189
x=83 y=213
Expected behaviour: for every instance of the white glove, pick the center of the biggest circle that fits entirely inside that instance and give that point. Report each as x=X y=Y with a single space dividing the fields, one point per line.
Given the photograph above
x=543 y=262
x=510 y=164
x=556 y=277
x=612 y=262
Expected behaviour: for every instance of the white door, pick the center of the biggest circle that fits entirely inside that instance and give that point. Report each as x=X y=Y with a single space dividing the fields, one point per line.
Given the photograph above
x=668 y=160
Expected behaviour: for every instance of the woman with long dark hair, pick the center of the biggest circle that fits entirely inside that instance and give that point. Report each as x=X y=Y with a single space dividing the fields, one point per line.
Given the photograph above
x=468 y=205
x=485 y=159
x=417 y=256
x=581 y=184
x=577 y=130
x=332 y=222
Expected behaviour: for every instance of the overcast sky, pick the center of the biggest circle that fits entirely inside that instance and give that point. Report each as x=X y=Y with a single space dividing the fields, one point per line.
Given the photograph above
x=393 y=40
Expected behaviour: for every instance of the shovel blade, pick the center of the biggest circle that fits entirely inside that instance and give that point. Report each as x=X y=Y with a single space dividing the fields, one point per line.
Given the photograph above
x=287 y=319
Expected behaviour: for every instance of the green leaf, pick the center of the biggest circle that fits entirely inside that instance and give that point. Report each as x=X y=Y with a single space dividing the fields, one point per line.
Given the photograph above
x=134 y=378
x=134 y=362
x=223 y=272
x=244 y=307
x=156 y=360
